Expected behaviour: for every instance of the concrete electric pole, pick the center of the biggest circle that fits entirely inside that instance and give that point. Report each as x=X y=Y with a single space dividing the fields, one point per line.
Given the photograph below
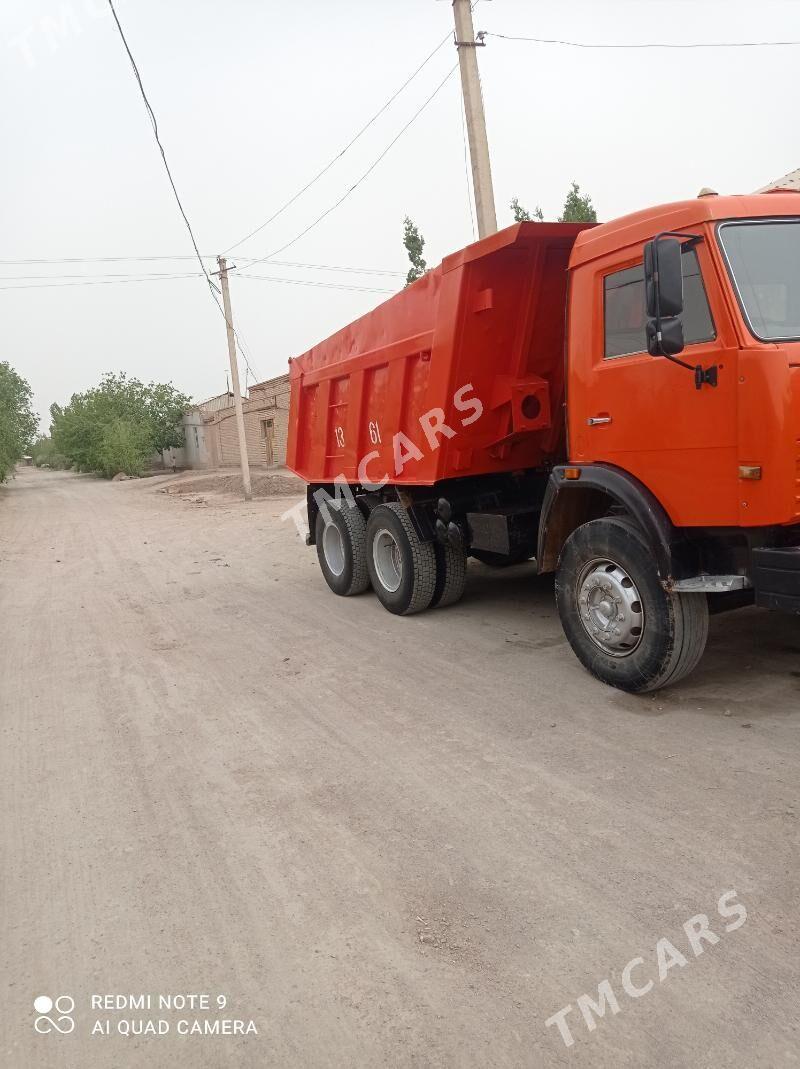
x=237 y=396
x=476 y=119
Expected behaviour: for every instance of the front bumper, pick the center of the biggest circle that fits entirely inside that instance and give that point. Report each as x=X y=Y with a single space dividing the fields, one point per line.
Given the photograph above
x=776 y=578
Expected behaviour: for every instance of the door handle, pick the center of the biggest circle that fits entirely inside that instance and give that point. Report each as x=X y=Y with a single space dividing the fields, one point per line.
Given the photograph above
x=594 y=421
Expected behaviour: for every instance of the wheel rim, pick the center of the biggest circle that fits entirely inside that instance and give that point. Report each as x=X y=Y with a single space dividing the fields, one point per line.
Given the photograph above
x=333 y=548
x=388 y=560
x=610 y=608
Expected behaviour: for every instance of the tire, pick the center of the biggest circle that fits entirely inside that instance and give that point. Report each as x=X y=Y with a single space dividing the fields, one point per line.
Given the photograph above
x=451 y=575
x=500 y=560
x=607 y=566
x=402 y=569
x=342 y=548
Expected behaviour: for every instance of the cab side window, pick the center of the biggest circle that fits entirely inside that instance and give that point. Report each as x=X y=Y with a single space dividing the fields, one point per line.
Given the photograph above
x=624 y=311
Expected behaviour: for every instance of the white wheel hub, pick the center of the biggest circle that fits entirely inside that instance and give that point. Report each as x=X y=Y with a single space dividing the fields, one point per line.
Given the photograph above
x=333 y=548
x=387 y=559
x=610 y=608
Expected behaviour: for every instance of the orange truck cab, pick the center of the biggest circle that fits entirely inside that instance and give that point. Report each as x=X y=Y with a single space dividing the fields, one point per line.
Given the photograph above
x=620 y=402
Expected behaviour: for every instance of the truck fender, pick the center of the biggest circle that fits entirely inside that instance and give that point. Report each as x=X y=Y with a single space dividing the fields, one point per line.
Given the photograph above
x=571 y=502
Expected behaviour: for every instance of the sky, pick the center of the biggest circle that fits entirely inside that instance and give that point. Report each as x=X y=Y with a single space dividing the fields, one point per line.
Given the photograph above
x=254 y=97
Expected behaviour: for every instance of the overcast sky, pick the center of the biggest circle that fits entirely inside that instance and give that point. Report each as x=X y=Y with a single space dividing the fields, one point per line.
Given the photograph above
x=253 y=97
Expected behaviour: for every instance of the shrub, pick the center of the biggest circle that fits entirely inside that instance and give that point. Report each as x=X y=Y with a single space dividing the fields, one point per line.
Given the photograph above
x=17 y=419
x=89 y=430
x=124 y=447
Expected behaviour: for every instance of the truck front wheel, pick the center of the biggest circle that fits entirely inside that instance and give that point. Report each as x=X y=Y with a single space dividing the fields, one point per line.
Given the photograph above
x=621 y=623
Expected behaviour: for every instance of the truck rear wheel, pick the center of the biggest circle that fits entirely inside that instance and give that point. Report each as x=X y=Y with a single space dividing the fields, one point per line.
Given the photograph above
x=342 y=548
x=451 y=575
x=621 y=623
x=401 y=568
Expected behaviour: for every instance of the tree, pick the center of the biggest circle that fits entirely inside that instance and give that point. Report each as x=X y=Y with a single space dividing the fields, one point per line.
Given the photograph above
x=119 y=423
x=125 y=446
x=414 y=243
x=577 y=207
x=522 y=215
x=165 y=408
x=18 y=422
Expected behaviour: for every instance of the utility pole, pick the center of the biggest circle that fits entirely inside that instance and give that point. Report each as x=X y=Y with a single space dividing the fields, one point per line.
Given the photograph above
x=237 y=396
x=476 y=119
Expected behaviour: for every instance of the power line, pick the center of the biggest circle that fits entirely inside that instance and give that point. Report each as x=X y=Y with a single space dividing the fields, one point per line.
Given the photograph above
x=212 y=288
x=92 y=260
x=99 y=274
x=324 y=285
x=365 y=175
x=346 y=148
x=98 y=259
x=43 y=283
x=332 y=267
x=143 y=259
x=648 y=44
x=154 y=124
x=98 y=282
x=47 y=282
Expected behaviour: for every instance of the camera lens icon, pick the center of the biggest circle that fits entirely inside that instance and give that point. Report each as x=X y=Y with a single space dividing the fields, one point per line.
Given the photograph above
x=61 y=1022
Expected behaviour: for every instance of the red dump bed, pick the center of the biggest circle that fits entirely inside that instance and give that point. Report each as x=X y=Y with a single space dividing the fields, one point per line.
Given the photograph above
x=484 y=332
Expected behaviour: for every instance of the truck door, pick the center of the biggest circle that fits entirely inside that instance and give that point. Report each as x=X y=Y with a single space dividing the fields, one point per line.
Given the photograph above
x=642 y=413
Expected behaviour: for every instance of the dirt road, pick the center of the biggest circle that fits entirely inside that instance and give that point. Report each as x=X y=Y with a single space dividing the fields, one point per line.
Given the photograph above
x=387 y=842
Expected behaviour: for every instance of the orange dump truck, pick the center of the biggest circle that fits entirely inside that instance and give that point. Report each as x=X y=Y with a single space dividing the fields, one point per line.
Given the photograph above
x=621 y=402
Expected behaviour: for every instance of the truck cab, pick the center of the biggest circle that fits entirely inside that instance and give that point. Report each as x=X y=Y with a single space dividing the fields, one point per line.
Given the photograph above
x=726 y=455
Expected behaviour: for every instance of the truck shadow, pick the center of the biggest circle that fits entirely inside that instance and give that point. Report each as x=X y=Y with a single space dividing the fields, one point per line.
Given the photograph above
x=750 y=669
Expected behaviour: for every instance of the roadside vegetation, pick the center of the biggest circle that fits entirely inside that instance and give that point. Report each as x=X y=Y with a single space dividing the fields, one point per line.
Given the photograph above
x=414 y=244
x=114 y=427
x=17 y=420
x=578 y=208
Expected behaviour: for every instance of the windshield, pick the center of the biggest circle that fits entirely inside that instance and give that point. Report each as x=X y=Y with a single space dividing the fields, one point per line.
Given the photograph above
x=764 y=261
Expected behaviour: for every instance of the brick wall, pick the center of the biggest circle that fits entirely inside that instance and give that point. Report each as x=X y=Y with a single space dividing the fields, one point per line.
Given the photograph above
x=268 y=403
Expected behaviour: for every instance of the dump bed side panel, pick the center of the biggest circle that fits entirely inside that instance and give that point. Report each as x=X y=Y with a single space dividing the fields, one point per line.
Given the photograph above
x=476 y=345
x=352 y=393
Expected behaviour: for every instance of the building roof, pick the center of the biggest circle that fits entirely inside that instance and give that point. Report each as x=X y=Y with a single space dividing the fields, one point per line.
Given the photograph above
x=789 y=181
x=271 y=384
x=213 y=404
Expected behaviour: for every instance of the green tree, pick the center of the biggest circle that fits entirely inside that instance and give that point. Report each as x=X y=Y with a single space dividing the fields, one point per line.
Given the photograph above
x=522 y=215
x=144 y=418
x=578 y=208
x=125 y=447
x=17 y=419
x=414 y=243
x=165 y=408
x=45 y=456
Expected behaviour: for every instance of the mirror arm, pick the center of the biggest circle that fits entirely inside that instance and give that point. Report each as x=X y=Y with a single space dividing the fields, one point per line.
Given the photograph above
x=680 y=363
x=703 y=376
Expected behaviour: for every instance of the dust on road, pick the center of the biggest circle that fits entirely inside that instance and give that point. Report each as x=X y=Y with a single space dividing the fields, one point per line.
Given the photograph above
x=387 y=841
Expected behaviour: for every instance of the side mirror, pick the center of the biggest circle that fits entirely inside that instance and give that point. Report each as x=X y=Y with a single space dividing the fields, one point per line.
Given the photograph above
x=665 y=342
x=663 y=278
